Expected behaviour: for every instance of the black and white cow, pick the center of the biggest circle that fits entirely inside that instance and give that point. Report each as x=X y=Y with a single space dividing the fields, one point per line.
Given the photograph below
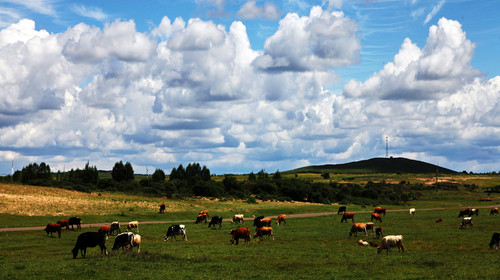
x=174 y=230
x=216 y=220
x=495 y=240
x=124 y=240
x=467 y=221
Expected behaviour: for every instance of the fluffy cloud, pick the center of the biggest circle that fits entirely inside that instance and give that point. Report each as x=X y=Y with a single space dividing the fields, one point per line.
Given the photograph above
x=439 y=69
x=318 y=42
x=250 y=10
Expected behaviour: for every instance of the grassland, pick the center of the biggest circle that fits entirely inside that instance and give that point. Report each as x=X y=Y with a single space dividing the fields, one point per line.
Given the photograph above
x=305 y=248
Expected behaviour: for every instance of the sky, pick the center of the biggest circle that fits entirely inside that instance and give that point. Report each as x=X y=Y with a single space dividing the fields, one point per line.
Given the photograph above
x=245 y=85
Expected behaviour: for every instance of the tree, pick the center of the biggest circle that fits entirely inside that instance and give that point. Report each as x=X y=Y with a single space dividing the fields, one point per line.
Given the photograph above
x=251 y=177
x=35 y=172
x=277 y=175
x=158 y=175
x=122 y=172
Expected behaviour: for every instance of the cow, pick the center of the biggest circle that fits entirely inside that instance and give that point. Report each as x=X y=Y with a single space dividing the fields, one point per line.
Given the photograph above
x=133 y=224
x=370 y=226
x=495 y=240
x=264 y=222
x=358 y=227
x=412 y=211
x=379 y=210
x=494 y=211
x=281 y=218
x=438 y=220
x=201 y=218
x=64 y=223
x=115 y=226
x=264 y=231
x=89 y=239
x=342 y=210
x=75 y=221
x=204 y=212
x=104 y=230
x=216 y=220
x=53 y=227
x=240 y=233
x=136 y=242
x=474 y=211
x=467 y=221
x=464 y=212
x=391 y=241
x=256 y=220
x=363 y=243
x=174 y=230
x=123 y=240
x=347 y=215
x=379 y=232
x=238 y=218
x=376 y=216
x=373 y=244
x=162 y=208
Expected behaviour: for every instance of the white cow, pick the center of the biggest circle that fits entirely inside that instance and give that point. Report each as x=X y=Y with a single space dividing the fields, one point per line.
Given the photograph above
x=391 y=241
x=136 y=242
x=133 y=224
x=239 y=218
x=412 y=211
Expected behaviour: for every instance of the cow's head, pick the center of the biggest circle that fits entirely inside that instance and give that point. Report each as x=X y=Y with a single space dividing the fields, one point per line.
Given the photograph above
x=75 y=252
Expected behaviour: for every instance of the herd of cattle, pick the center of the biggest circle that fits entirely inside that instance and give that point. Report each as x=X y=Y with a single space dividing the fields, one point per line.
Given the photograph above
x=128 y=240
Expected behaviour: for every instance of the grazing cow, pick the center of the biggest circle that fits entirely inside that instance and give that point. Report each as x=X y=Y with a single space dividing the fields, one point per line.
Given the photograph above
x=256 y=220
x=174 y=230
x=264 y=231
x=412 y=211
x=373 y=244
x=133 y=224
x=370 y=226
x=204 y=212
x=495 y=240
x=464 y=212
x=376 y=216
x=240 y=233
x=379 y=232
x=363 y=243
x=281 y=218
x=264 y=222
x=239 y=218
x=391 y=241
x=358 y=227
x=216 y=220
x=162 y=208
x=438 y=220
x=348 y=215
x=75 y=221
x=53 y=227
x=379 y=210
x=123 y=240
x=201 y=218
x=114 y=227
x=63 y=223
x=494 y=211
x=104 y=230
x=89 y=239
x=342 y=210
x=474 y=211
x=136 y=242
x=467 y=221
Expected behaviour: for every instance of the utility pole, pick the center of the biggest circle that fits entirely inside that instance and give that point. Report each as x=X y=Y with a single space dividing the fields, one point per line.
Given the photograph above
x=386 y=147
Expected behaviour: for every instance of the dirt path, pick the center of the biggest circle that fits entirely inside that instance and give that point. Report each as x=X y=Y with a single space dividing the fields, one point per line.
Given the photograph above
x=304 y=215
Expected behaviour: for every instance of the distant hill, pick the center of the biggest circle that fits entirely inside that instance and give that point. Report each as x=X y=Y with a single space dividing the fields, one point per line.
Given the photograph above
x=376 y=165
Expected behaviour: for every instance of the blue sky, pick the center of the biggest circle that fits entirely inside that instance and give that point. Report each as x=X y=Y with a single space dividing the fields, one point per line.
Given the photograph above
x=241 y=86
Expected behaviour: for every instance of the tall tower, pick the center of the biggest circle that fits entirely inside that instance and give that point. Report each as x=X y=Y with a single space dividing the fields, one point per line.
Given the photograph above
x=386 y=147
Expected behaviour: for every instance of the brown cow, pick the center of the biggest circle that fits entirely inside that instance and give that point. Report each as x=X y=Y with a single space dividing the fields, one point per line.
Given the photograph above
x=376 y=216
x=204 y=212
x=361 y=227
x=64 y=223
x=348 y=215
x=105 y=230
x=240 y=233
x=281 y=218
x=379 y=210
x=379 y=232
x=494 y=211
x=265 y=222
x=162 y=208
x=53 y=227
x=264 y=231
x=201 y=218
x=438 y=220
x=464 y=212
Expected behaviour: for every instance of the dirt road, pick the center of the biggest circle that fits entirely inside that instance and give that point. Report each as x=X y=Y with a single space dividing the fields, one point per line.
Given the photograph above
x=304 y=215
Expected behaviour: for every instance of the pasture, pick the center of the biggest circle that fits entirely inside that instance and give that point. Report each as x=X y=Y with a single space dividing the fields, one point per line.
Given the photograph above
x=304 y=248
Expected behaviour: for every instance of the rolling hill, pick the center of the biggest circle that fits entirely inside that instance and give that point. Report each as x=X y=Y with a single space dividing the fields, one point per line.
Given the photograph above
x=376 y=165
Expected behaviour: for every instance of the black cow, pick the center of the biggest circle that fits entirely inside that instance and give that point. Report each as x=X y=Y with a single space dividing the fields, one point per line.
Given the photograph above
x=174 y=230
x=123 y=240
x=75 y=221
x=162 y=208
x=256 y=221
x=89 y=239
x=342 y=210
x=495 y=240
x=216 y=220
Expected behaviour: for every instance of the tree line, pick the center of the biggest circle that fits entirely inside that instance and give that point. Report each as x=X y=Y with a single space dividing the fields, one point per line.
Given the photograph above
x=195 y=180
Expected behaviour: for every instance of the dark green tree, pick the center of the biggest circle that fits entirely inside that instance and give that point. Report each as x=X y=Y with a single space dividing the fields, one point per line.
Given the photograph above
x=158 y=176
x=122 y=172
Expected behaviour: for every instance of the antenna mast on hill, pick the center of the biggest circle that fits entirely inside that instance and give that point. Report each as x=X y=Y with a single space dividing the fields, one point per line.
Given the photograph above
x=386 y=147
